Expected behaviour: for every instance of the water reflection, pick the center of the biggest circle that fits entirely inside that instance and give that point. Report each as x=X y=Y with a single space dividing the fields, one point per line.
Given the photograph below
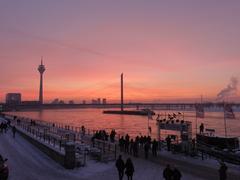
x=134 y=125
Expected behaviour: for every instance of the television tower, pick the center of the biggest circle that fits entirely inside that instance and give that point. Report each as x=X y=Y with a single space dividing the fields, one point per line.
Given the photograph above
x=41 y=69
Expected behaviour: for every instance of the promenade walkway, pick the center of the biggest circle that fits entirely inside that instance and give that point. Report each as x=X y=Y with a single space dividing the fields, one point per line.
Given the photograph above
x=26 y=162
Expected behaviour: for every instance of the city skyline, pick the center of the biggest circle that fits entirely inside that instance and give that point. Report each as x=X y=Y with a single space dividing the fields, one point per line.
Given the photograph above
x=167 y=51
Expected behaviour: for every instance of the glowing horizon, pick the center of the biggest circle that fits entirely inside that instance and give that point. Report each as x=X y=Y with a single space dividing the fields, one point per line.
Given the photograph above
x=167 y=51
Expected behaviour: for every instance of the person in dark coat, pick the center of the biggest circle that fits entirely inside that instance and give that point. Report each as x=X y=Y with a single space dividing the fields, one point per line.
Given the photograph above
x=120 y=167
x=167 y=173
x=154 y=147
x=223 y=171
x=14 y=131
x=131 y=147
x=146 y=149
x=176 y=174
x=5 y=127
x=1 y=127
x=127 y=142
x=135 y=149
x=112 y=136
x=168 y=139
x=201 y=128
x=121 y=144
x=129 y=169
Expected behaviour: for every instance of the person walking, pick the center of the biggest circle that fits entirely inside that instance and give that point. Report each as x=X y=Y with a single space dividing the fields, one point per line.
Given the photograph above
x=121 y=144
x=135 y=149
x=168 y=139
x=201 y=128
x=223 y=171
x=5 y=127
x=146 y=149
x=176 y=174
x=167 y=173
x=1 y=127
x=127 y=142
x=129 y=169
x=154 y=147
x=14 y=131
x=120 y=167
x=131 y=147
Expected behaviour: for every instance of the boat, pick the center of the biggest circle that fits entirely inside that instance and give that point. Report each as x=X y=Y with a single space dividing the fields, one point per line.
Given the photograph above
x=142 y=112
x=223 y=148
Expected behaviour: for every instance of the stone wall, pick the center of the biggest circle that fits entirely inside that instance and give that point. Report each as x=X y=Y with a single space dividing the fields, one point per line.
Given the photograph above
x=55 y=155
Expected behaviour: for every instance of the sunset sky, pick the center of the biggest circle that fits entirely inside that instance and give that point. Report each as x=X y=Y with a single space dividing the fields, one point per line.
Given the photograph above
x=167 y=50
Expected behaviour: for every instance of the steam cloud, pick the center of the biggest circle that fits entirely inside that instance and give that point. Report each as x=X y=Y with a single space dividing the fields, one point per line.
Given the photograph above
x=230 y=90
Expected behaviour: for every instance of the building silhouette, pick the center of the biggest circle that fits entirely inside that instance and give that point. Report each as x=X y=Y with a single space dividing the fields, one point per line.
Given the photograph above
x=71 y=102
x=104 y=101
x=41 y=69
x=13 y=98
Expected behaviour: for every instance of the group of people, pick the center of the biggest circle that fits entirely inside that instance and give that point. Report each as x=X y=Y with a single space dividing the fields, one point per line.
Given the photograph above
x=132 y=146
x=103 y=135
x=169 y=173
x=3 y=127
x=128 y=167
x=33 y=122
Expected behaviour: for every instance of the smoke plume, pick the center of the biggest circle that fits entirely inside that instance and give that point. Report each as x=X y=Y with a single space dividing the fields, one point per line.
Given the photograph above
x=230 y=90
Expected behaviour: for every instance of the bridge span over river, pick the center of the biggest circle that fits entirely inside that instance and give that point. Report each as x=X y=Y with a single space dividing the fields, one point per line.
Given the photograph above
x=153 y=106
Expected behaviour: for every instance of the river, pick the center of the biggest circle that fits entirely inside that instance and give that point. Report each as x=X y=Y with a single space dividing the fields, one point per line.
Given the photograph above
x=94 y=119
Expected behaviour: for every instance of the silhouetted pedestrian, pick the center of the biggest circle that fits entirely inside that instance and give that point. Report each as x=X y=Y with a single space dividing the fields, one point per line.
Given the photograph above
x=112 y=136
x=131 y=147
x=223 y=171
x=167 y=173
x=5 y=127
x=168 y=139
x=121 y=144
x=176 y=174
x=146 y=149
x=14 y=131
x=193 y=144
x=135 y=149
x=154 y=147
x=201 y=128
x=129 y=169
x=1 y=127
x=127 y=142
x=83 y=130
x=120 y=167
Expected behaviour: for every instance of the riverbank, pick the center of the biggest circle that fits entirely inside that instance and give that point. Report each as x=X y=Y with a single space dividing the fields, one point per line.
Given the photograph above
x=26 y=162
x=204 y=169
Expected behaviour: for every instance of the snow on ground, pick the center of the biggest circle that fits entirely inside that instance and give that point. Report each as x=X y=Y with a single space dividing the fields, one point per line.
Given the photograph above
x=210 y=162
x=26 y=162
